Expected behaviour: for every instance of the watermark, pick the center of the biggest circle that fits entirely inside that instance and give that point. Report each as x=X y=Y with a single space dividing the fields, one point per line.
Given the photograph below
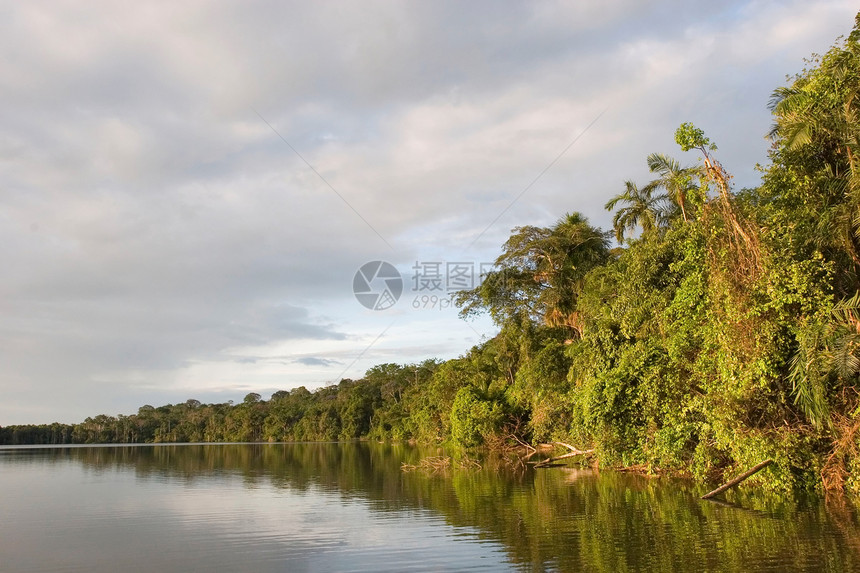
x=378 y=285
x=432 y=302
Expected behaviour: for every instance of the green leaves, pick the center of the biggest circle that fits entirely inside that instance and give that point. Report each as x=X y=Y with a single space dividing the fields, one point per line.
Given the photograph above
x=688 y=136
x=816 y=136
x=828 y=354
x=680 y=183
x=540 y=273
x=474 y=418
x=641 y=208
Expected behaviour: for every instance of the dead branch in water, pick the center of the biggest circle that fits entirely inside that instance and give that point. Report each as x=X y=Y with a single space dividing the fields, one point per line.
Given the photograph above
x=572 y=453
x=529 y=447
x=738 y=479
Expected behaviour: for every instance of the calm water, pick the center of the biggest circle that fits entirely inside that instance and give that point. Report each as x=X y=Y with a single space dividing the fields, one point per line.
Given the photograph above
x=349 y=507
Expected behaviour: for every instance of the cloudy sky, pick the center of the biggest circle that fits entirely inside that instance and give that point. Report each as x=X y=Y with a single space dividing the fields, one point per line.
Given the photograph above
x=188 y=189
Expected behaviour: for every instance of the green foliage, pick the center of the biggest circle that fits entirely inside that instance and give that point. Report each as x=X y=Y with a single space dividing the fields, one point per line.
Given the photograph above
x=688 y=137
x=684 y=186
x=539 y=274
x=641 y=209
x=474 y=418
x=541 y=389
x=814 y=172
x=826 y=359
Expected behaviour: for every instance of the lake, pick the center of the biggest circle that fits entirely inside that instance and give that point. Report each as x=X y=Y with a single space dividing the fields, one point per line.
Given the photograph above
x=351 y=507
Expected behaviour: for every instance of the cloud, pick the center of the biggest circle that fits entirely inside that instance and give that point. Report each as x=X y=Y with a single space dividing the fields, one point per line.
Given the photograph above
x=158 y=240
x=314 y=361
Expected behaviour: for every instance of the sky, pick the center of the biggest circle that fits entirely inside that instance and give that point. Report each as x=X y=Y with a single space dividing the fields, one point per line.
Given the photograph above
x=188 y=189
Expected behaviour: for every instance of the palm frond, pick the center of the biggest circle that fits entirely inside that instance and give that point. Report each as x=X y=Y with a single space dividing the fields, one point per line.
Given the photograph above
x=778 y=95
x=808 y=374
x=800 y=135
x=660 y=163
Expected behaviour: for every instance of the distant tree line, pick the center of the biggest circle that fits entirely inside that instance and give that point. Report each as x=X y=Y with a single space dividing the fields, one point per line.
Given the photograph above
x=371 y=407
x=723 y=329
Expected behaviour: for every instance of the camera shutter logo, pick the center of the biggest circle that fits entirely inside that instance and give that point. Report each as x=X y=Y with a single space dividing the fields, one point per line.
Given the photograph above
x=377 y=285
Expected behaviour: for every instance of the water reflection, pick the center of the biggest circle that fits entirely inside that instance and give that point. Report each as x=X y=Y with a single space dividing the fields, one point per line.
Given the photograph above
x=350 y=507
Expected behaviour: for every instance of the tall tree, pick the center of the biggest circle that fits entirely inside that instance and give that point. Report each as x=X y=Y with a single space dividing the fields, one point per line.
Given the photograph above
x=641 y=208
x=679 y=182
x=817 y=134
x=539 y=274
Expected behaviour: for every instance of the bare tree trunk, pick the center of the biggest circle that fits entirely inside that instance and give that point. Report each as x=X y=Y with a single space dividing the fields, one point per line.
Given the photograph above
x=738 y=479
x=573 y=452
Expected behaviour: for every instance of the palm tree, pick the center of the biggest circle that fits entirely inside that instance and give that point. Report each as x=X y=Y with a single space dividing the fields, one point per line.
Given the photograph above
x=642 y=209
x=676 y=180
x=826 y=349
x=820 y=111
x=579 y=245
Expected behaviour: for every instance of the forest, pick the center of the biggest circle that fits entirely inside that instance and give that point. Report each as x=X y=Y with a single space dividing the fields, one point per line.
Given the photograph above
x=722 y=330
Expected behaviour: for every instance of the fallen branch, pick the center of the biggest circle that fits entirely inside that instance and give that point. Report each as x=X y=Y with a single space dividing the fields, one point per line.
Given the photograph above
x=520 y=442
x=572 y=449
x=738 y=479
x=573 y=453
x=531 y=449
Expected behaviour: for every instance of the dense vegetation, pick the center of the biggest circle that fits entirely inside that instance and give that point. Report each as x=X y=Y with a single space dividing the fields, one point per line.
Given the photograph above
x=724 y=330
